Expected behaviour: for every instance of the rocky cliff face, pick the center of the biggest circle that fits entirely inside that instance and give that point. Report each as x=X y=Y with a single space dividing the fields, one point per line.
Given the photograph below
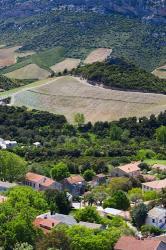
x=142 y=8
x=148 y=9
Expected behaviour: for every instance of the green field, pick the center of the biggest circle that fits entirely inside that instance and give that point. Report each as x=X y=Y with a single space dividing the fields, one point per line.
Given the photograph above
x=152 y=162
x=43 y=59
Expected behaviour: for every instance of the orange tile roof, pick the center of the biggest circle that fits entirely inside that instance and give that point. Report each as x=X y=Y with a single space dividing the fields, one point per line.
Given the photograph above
x=75 y=179
x=45 y=224
x=148 y=177
x=160 y=167
x=131 y=243
x=43 y=180
x=159 y=184
x=34 y=177
x=131 y=167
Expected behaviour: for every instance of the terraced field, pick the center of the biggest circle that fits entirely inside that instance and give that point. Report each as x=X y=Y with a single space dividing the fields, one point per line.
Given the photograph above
x=98 y=55
x=31 y=71
x=69 y=95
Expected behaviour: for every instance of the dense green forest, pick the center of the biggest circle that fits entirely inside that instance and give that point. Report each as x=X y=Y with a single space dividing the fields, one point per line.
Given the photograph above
x=6 y=83
x=82 y=146
x=79 y=33
x=122 y=75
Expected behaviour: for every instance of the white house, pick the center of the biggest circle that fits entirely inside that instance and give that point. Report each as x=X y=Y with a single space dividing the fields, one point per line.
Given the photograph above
x=157 y=217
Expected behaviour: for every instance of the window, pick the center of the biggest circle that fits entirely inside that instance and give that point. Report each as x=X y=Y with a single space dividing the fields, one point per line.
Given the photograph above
x=153 y=220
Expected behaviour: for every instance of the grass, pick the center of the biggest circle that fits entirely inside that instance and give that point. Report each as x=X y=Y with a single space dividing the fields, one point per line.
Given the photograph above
x=153 y=161
x=69 y=95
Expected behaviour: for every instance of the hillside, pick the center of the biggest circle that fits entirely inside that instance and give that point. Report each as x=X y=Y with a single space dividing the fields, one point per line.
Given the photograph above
x=122 y=75
x=78 y=33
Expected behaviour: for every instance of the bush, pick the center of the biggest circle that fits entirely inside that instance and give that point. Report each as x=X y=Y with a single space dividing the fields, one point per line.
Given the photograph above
x=149 y=229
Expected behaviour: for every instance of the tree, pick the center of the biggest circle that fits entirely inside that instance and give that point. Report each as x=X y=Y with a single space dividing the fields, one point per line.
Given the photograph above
x=144 y=166
x=118 y=200
x=161 y=135
x=119 y=183
x=139 y=214
x=79 y=119
x=88 y=214
x=57 y=239
x=150 y=195
x=60 y=171
x=100 y=167
x=12 y=167
x=89 y=174
x=115 y=133
x=151 y=230
x=58 y=201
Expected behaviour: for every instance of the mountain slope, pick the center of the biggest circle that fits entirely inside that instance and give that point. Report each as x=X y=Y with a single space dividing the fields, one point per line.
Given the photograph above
x=81 y=32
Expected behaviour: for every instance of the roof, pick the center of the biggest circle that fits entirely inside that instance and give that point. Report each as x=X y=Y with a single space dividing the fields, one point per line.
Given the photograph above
x=65 y=219
x=131 y=167
x=117 y=212
x=156 y=212
x=159 y=184
x=160 y=167
x=43 y=180
x=75 y=179
x=6 y=184
x=131 y=243
x=45 y=224
x=90 y=225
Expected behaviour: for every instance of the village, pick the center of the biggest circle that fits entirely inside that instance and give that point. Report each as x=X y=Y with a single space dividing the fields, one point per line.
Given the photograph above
x=83 y=195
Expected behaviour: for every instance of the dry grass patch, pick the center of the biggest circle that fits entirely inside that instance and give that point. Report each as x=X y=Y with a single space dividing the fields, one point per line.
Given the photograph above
x=31 y=71
x=69 y=95
x=68 y=63
x=160 y=72
x=98 y=55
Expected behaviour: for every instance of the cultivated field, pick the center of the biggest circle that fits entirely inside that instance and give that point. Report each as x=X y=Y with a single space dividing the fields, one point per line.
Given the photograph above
x=69 y=95
x=160 y=72
x=68 y=63
x=31 y=71
x=98 y=55
x=7 y=56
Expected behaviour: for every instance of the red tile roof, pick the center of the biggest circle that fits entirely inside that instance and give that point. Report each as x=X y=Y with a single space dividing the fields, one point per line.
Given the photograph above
x=131 y=243
x=131 y=167
x=34 y=177
x=75 y=179
x=159 y=167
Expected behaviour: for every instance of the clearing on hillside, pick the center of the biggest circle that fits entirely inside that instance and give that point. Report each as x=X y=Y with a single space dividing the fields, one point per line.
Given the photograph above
x=68 y=63
x=7 y=56
x=69 y=95
x=160 y=72
x=31 y=71
x=98 y=55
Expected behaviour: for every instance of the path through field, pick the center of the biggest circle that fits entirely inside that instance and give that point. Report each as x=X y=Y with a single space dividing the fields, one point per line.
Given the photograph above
x=69 y=95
